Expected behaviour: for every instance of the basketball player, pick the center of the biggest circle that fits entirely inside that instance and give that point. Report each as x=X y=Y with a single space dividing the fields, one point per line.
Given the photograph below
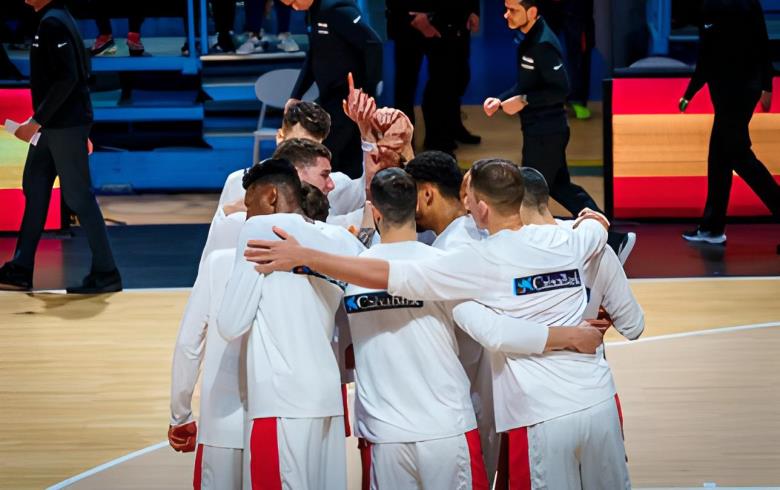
x=300 y=120
x=312 y=162
x=531 y=273
x=220 y=435
x=293 y=383
x=219 y=451
x=603 y=274
x=413 y=409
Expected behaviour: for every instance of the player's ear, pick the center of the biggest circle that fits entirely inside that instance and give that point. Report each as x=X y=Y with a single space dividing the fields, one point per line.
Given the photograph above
x=376 y=214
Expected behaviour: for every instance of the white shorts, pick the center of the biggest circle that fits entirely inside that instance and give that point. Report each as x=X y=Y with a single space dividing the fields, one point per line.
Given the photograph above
x=299 y=454
x=453 y=463
x=217 y=468
x=580 y=451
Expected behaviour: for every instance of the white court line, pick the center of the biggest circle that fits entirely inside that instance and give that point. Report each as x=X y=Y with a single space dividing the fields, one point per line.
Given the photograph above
x=162 y=444
x=695 y=333
x=703 y=279
x=105 y=466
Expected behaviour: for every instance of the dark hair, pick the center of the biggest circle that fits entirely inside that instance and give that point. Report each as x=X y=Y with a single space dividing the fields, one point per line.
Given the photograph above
x=498 y=182
x=437 y=168
x=529 y=3
x=536 y=193
x=301 y=152
x=275 y=171
x=314 y=203
x=314 y=119
x=394 y=194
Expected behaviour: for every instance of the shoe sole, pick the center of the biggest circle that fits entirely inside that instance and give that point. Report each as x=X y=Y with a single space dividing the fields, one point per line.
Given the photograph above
x=704 y=240
x=105 y=52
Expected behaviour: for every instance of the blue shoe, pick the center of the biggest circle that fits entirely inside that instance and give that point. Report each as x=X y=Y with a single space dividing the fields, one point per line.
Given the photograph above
x=698 y=235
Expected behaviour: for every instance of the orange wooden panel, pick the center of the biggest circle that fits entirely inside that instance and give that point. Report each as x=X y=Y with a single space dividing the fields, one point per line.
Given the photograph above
x=656 y=145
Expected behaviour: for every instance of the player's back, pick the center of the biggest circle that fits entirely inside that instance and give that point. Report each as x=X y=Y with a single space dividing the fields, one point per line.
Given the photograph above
x=410 y=384
x=290 y=361
x=534 y=273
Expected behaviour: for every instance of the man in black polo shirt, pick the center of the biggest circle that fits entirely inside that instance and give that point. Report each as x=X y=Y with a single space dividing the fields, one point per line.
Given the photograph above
x=340 y=42
x=539 y=96
x=59 y=71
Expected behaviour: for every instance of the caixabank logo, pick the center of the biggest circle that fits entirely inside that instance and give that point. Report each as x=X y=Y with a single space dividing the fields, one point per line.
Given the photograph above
x=547 y=282
x=360 y=303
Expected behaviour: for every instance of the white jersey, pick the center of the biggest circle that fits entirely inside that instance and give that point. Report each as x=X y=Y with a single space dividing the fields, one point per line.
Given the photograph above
x=535 y=274
x=221 y=409
x=608 y=287
x=291 y=368
x=223 y=232
x=347 y=194
x=410 y=384
x=461 y=231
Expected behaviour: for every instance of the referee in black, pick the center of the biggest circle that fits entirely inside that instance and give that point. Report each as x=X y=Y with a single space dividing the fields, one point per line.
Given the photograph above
x=59 y=71
x=734 y=61
x=539 y=97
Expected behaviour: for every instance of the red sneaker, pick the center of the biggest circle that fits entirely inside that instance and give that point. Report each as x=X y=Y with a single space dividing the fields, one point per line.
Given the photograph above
x=104 y=44
x=134 y=44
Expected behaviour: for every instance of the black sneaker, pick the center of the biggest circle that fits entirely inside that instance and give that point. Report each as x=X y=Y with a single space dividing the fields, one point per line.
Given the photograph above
x=464 y=136
x=699 y=235
x=98 y=283
x=15 y=277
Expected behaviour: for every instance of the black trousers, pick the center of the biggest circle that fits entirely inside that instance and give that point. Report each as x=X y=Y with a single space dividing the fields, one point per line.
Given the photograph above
x=408 y=57
x=344 y=139
x=730 y=150
x=63 y=153
x=547 y=154
x=441 y=98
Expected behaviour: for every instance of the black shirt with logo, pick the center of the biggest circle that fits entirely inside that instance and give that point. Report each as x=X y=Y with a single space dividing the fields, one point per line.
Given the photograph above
x=340 y=42
x=59 y=71
x=542 y=78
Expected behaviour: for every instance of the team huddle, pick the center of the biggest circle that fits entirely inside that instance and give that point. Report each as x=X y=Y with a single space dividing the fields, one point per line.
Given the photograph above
x=477 y=359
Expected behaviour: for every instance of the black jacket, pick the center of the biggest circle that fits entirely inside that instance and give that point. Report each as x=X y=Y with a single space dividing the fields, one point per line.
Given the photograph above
x=448 y=16
x=542 y=78
x=733 y=48
x=59 y=71
x=340 y=41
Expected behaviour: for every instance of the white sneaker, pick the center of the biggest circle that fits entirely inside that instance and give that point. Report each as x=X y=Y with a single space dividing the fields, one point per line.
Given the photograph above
x=250 y=46
x=287 y=43
x=698 y=235
x=626 y=246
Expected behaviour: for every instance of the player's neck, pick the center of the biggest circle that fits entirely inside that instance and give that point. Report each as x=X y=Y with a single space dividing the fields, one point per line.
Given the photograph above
x=499 y=223
x=449 y=213
x=538 y=217
x=395 y=234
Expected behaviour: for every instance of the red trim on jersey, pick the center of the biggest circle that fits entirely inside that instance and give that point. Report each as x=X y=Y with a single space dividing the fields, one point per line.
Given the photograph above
x=344 y=400
x=620 y=414
x=519 y=459
x=479 y=480
x=196 y=479
x=264 y=455
x=365 y=461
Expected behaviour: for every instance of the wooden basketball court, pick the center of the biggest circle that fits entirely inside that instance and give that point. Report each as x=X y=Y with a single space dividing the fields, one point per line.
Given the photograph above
x=85 y=380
